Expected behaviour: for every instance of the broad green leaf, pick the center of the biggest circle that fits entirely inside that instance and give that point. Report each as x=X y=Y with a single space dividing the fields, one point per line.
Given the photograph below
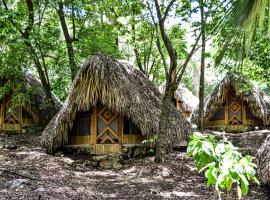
x=212 y=164
x=244 y=184
x=208 y=148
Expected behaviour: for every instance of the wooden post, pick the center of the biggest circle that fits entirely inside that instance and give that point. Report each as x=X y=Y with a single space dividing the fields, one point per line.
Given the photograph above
x=120 y=129
x=244 y=112
x=226 y=111
x=93 y=134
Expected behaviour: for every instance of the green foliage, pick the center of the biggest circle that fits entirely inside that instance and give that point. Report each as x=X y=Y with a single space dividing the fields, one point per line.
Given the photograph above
x=150 y=144
x=4 y=90
x=106 y=26
x=91 y=33
x=177 y=35
x=223 y=164
x=151 y=141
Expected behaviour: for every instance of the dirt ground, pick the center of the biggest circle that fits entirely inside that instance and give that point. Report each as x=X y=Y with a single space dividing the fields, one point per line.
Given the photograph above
x=44 y=176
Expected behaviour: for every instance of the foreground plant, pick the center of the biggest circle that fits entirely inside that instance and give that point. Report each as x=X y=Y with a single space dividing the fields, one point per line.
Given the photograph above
x=223 y=164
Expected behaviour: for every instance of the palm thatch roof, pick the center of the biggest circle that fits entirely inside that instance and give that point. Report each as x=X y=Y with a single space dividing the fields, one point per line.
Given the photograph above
x=263 y=161
x=257 y=101
x=183 y=94
x=189 y=101
x=120 y=87
x=36 y=102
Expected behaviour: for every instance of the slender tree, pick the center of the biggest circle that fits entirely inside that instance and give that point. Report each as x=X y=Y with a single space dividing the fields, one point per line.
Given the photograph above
x=68 y=38
x=173 y=73
x=202 y=68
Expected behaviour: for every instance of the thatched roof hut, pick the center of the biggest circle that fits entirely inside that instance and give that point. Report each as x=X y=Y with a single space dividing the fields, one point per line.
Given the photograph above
x=263 y=161
x=122 y=89
x=38 y=105
x=235 y=101
x=34 y=108
x=185 y=101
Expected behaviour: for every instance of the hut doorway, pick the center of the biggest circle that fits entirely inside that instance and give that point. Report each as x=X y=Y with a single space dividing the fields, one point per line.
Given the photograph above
x=108 y=127
x=109 y=133
x=235 y=112
x=11 y=117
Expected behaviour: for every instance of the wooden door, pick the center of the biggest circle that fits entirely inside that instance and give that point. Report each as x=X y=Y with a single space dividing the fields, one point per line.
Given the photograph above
x=12 y=117
x=235 y=109
x=108 y=138
x=108 y=127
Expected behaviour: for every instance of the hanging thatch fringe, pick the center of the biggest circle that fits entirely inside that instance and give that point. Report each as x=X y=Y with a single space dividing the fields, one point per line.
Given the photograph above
x=257 y=101
x=121 y=88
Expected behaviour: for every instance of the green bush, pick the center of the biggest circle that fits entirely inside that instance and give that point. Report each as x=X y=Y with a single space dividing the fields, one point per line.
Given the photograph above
x=223 y=164
x=150 y=145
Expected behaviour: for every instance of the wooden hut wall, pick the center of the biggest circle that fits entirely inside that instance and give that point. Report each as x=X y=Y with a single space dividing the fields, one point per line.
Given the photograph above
x=13 y=119
x=27 y=118
x=219 y=118
x=249 y=118
x=104 y=129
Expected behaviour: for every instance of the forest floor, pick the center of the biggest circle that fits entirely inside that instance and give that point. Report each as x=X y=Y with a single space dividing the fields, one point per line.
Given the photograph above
x=27 y=172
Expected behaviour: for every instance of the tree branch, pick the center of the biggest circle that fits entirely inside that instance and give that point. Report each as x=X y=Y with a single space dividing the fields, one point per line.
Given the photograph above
x=136 y=51
x=168 y=10
x=73 y=22
x=158 y=41
x=189 y=56
x=28 y=29
x=167 y=42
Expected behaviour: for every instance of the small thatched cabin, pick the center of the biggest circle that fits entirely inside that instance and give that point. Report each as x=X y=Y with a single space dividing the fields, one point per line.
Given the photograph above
x=235 y=105
x=110 y=104
x=185 y=101
x=34 y=111
x=263 y=162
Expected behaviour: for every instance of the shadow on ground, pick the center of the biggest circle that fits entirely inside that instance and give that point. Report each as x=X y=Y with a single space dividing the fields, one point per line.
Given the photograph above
x=27 y=172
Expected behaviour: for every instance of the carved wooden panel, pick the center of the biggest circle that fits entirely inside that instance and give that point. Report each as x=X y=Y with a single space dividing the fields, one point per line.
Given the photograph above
x=11 y=115
x=235 y=115
x=107 y=126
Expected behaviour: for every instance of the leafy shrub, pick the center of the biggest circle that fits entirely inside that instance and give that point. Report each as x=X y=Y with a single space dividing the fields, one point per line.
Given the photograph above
x=223 y=164
x=150 y=144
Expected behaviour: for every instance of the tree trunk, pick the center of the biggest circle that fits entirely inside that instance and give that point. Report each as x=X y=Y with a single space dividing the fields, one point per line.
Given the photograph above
x=201 y=89
x=68 y=39
x=162 y=144
x=45 y=84
x=172 y=79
